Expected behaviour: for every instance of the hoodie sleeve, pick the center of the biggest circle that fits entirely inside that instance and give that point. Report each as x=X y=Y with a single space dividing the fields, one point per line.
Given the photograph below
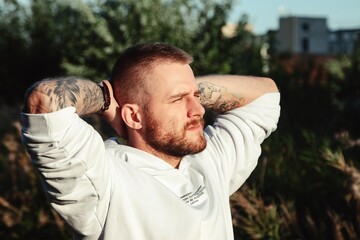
x=236 y=137
x=70 y=158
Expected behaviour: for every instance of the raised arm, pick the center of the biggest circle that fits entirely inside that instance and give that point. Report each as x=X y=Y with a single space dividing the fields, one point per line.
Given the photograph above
x=86 y=96
x=222 y=93
x=51 y=95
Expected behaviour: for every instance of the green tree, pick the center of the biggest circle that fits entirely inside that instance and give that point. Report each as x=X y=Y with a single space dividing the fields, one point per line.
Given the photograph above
x=14 y=47
x=43 y=38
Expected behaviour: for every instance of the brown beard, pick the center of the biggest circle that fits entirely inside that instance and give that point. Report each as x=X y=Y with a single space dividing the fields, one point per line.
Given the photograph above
x=170 y=143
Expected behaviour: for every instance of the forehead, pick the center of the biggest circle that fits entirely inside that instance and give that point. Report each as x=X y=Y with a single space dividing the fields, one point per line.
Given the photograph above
x=172 y=78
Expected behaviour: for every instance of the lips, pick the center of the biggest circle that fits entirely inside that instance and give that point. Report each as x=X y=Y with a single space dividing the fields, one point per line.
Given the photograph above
x=195 y=123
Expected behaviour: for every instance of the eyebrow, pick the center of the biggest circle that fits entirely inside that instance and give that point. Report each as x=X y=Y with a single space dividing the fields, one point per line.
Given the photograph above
x=178 y=95
x=198 y=92
x=182 y=94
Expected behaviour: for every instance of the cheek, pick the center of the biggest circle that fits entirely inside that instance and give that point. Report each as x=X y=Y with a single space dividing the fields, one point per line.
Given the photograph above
x=171 y=120
x=172 y=124
x=171 y=127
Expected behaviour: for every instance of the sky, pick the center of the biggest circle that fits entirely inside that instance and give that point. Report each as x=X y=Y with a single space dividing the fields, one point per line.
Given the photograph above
x=263 y=15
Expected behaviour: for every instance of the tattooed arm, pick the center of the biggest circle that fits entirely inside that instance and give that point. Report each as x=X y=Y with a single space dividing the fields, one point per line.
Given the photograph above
x=222 y=93
x=51 y=95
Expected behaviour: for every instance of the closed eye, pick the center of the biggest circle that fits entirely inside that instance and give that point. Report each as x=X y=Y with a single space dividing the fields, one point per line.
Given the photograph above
x=177 y=99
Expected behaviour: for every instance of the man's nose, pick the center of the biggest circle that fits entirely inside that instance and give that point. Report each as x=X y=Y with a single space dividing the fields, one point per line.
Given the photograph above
x=195 y=108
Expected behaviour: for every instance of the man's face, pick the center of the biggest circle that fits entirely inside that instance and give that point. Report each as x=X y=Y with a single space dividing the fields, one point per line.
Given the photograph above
x=173 y=117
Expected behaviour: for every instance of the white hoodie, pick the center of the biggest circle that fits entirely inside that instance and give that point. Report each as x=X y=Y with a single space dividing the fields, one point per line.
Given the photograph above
x=113 y=191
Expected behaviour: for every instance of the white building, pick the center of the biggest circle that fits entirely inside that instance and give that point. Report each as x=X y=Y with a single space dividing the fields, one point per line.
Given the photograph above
x=303 y=35
x=310 y=35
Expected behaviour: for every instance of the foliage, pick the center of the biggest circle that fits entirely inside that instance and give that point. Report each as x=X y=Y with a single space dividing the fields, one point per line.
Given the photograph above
x=54 y=37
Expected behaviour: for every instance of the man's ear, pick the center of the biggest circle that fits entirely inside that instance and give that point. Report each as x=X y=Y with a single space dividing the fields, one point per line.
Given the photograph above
x=131 y=115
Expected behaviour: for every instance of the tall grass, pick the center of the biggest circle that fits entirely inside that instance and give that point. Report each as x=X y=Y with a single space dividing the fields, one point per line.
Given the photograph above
x=24 y=213
x=298 y=191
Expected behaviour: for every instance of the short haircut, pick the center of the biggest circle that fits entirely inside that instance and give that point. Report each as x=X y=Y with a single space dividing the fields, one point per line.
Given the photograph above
x=135 y=64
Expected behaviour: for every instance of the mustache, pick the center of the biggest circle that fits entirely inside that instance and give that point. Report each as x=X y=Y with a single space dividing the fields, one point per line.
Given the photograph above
x=195 y=122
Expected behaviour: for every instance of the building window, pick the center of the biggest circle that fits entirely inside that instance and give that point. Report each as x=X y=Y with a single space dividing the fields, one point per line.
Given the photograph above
x=356 y=36
x=305 y=45
x=305 y=27
x=333 y=37
x=346 y=36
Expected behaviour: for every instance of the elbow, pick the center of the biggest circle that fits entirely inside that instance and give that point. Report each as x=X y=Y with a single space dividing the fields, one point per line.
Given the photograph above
x=270 y=85
x=35 y=101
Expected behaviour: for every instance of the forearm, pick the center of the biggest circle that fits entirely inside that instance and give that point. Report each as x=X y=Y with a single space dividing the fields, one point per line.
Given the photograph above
x=222 y=93
x=51 y=95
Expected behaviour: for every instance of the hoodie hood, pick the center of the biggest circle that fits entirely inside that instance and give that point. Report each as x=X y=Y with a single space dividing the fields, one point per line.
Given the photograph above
x=185 y=182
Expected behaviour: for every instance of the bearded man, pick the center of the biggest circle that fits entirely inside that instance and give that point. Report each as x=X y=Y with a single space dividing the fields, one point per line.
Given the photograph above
x=172 y=179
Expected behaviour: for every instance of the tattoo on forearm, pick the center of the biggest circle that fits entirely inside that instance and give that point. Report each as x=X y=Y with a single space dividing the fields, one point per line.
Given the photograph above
x=218 y=98
x=67 y=92
x=51 y=95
